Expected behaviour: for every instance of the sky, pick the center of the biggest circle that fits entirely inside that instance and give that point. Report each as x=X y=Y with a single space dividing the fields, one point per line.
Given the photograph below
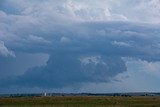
x=95 y=46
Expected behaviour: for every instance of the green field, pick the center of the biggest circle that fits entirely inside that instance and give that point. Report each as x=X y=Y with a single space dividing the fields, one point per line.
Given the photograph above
x=81 y=102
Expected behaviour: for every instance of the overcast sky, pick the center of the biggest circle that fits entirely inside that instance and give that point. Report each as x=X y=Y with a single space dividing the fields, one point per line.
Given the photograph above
x=79 y=46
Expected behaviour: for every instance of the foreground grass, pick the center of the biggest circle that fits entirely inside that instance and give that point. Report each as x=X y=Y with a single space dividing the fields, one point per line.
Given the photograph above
x=81 y=102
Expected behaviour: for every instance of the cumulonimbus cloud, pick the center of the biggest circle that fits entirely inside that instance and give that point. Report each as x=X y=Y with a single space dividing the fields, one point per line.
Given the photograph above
x=85 y=43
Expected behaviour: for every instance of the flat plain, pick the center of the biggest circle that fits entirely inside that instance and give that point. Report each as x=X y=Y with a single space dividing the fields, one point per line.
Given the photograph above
x=80 y=101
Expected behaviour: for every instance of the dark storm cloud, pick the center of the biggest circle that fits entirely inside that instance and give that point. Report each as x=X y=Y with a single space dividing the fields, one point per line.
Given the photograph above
x=66 y=69
x=89 y=52
x=82 y=49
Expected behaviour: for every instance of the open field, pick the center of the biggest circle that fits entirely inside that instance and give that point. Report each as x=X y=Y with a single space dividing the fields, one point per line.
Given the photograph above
x=90 y=101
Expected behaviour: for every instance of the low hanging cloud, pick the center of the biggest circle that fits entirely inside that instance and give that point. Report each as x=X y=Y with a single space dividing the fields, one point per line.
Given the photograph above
x=65 y=69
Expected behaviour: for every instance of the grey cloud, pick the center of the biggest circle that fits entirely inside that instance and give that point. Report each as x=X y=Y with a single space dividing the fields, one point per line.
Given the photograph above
x=80 y=51
x=86 y=41
x=15 y=66
x=65 y=69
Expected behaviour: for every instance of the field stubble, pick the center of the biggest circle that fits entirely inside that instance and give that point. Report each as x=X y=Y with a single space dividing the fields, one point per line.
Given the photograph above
x=77 y=101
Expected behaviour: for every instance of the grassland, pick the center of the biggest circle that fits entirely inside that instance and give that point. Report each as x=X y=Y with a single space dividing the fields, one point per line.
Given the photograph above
x=89 y=101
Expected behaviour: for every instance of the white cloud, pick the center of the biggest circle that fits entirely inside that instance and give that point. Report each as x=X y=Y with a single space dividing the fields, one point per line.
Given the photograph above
x=87 y=12
x=65 y=40
x=142 y=76
x=151 y=9
x=36 y=39
x=92 y=59
x=75 y=10
x=4 y=51
x=105 y=10
x=125 y=44
x=143 y=66
x=145 y=11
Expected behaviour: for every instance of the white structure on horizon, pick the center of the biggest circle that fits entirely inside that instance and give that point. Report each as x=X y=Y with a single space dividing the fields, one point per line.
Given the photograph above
x=45 y=94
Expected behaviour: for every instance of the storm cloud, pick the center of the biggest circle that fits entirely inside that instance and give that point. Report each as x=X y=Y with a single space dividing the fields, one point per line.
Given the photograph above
x=78 y=42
